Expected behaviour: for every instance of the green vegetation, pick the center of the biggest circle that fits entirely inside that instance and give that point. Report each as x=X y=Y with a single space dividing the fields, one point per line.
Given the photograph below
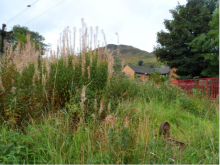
x=209 y=45
x=179 y=46
x=20 y=33
x=156 y=77
x=74 y=109
x=140 y=63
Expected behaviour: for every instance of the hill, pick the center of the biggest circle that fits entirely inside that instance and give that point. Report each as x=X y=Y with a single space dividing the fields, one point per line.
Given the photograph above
x=133 y=55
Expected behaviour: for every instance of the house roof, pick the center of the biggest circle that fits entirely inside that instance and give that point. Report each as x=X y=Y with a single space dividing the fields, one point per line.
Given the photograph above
x=139 y=69
x=163 y=70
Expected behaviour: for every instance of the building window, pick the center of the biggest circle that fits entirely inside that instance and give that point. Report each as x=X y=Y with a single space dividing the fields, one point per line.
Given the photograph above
x=139 y=75
x=146 y=75
x=167 y=74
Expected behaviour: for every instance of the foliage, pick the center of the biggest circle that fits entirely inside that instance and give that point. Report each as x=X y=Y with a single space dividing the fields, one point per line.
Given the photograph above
x=23 y=39
x=54 y=107
x=140 y=63
x=12 y=147
x=117 y=62
x=129 y=137
x=121 y=140
x=156 y=75
x=70 y=80
x=208 y=44
x=187 y=103
x=189 y=21
x=18 y=34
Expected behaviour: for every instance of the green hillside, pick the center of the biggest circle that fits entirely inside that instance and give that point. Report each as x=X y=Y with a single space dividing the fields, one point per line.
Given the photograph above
x=133 y=55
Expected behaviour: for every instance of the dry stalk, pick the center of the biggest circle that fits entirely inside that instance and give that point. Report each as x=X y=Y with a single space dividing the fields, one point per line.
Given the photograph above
x=67 y=40
x=52 y=101
x=83 y=97
x=73 y=63
x=109 y=107
x=123 y=61
x=110 y=59
x=88 y=68
x=110 y=120
x=47 y=65
x=74 y=39
x=104 y=47
x=95 y=104
x=70 y=39
x=2 y=89
x=94 y=116
x=126 y=122
x=101 y=109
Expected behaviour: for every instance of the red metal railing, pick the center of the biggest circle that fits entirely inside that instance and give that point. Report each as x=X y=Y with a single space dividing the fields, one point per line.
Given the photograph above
x=206 y=87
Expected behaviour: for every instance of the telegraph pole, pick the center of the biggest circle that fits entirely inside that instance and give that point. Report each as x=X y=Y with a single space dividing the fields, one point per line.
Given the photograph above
x=3 y=33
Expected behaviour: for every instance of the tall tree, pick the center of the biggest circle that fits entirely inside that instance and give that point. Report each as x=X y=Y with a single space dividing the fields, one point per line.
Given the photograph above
x=209 y=45
x=19 y=32
x=189 y=21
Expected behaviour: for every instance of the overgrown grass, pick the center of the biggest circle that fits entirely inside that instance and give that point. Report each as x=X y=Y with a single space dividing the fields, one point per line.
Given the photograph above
x=130 y=135
x=73 y=109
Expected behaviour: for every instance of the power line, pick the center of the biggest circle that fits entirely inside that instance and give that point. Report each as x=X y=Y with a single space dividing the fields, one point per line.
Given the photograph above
x=44 y=12
x=34 y=2
x=22 y=11
x=17 y=15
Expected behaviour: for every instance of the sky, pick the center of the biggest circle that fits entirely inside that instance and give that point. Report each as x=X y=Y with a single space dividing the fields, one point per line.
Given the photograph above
x=136 y=21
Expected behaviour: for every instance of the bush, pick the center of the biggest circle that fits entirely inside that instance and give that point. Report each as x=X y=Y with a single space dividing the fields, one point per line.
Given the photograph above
x=12 y=147
x=33 y=84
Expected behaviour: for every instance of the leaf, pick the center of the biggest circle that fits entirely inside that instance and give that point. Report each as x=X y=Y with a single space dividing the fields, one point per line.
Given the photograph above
x=10 y=144
x=23 y=153
x=2 y=146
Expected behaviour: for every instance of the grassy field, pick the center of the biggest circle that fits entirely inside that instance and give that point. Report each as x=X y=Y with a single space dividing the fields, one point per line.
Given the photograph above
x=74 y=109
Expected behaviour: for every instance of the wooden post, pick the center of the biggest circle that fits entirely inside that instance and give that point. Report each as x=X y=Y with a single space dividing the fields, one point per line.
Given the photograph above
x=207 y=85
x=3 y=33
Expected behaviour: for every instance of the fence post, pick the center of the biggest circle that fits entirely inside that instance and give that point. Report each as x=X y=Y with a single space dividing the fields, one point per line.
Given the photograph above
x=212 y=94
x=191 y=84
x=207 y=88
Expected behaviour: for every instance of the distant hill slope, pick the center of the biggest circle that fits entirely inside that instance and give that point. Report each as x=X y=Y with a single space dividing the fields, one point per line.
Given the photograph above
x=133 y=55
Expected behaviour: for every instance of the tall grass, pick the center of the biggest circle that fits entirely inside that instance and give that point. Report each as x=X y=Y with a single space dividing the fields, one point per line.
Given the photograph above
x=32 y=84
x=73 y=109
x=130 y=135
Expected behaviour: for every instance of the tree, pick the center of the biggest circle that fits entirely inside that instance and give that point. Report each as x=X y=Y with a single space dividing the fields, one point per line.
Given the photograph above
x=209 y=44
x=189 y=21
x=19 y=32
x=140 y=63
x=156 y=75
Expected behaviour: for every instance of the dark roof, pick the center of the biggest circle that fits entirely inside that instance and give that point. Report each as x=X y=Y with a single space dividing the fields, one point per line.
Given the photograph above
x=163 y=70
x=139 y=69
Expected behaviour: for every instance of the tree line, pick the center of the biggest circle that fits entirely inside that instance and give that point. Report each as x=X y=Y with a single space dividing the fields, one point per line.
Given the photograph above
x=20 y=34
x=191 y=40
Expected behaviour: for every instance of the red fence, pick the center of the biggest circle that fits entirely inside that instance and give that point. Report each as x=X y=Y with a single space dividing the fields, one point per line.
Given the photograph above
x=207 y=87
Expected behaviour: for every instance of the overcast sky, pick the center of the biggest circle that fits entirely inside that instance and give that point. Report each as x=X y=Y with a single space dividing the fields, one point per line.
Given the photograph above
x=136 y=21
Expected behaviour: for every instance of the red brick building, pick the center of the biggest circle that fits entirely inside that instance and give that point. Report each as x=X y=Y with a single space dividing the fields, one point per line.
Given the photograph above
x=144 y=73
